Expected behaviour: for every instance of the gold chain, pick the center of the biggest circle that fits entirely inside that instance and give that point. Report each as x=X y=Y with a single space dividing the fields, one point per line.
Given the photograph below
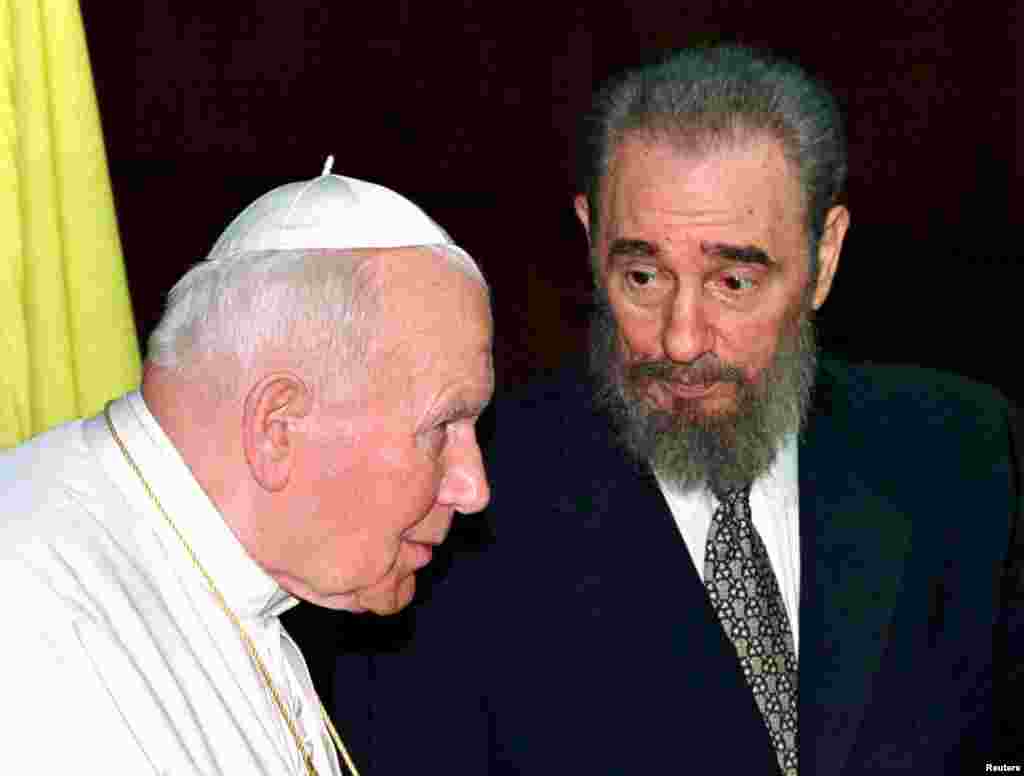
x=306 y=755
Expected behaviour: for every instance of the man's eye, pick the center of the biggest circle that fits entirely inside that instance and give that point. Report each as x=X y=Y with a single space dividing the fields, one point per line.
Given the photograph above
x=738 y=283
x=641 y=278
x=438 y=432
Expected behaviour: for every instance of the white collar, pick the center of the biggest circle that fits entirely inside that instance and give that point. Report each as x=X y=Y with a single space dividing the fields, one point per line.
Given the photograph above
x=248 y=590
x=781 y=482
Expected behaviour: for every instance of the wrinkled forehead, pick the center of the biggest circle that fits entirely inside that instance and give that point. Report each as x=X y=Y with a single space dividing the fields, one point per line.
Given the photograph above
x=426 y=292
x=697 y=143
x=644 y=160
x=434 y=333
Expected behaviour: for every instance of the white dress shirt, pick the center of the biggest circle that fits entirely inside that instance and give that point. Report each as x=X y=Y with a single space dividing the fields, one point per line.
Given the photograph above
x=775 y=510
x=116 y=658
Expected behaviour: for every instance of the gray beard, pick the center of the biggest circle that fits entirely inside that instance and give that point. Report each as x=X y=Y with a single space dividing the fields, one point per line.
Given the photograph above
x=686 y=447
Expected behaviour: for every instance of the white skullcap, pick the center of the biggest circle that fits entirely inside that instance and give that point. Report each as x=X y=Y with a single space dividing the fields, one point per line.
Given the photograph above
x=331 y=212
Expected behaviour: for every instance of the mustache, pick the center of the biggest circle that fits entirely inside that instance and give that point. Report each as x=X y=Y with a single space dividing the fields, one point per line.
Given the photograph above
x=705 y=370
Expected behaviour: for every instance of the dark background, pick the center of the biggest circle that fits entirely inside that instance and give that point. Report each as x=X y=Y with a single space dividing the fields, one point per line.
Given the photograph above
x=469 y=108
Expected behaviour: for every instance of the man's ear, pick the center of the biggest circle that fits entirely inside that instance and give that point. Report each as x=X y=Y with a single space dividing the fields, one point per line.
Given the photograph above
x=268 y=427
x=583 y=212
x=837 y=221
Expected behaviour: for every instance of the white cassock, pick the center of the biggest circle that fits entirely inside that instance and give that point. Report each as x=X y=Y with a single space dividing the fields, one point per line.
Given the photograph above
x=115 y=658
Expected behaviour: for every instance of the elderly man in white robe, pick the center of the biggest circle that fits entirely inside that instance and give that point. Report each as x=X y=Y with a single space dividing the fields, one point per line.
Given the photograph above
x=304 y=429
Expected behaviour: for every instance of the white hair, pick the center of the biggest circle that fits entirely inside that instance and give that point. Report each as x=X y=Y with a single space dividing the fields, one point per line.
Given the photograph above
x=460 y=260
x=317 y=306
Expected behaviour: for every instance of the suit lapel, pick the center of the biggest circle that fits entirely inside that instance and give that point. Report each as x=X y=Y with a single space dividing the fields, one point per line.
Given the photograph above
x=636 y=546
x=853 y=546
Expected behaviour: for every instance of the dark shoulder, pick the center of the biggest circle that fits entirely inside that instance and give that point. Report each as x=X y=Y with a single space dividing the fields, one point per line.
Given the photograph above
x=927 y=410
x=905 y=380
x=917 y=390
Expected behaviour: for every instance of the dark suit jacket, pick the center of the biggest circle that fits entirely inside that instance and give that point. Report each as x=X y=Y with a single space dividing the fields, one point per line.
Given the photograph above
x=582 y=642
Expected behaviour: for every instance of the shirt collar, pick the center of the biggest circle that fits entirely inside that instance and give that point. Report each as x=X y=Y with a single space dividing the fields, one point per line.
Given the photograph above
x=781 y=482
x=248 y=590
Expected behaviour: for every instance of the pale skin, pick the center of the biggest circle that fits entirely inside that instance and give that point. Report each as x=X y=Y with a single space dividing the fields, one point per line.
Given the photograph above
x=706 y=256
x=341 y=500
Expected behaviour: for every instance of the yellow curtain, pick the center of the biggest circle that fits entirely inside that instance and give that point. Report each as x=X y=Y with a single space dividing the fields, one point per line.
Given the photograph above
x=67 y=337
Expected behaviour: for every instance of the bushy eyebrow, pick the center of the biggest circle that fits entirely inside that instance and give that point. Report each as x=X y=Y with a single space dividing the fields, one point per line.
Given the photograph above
x=747 y=254
x=630 y=248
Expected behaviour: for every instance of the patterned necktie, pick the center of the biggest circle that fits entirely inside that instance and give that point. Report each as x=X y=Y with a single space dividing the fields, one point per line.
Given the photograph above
x=742 y=587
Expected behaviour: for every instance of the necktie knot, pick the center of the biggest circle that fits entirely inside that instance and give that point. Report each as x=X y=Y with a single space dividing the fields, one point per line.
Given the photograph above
x=734 y=497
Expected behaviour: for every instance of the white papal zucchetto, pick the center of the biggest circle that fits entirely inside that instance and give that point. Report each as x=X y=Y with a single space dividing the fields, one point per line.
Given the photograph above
x=330 y=212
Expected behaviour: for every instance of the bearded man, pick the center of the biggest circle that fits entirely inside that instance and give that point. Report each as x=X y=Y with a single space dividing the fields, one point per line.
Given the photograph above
x=304 y=430
x=722 y=553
